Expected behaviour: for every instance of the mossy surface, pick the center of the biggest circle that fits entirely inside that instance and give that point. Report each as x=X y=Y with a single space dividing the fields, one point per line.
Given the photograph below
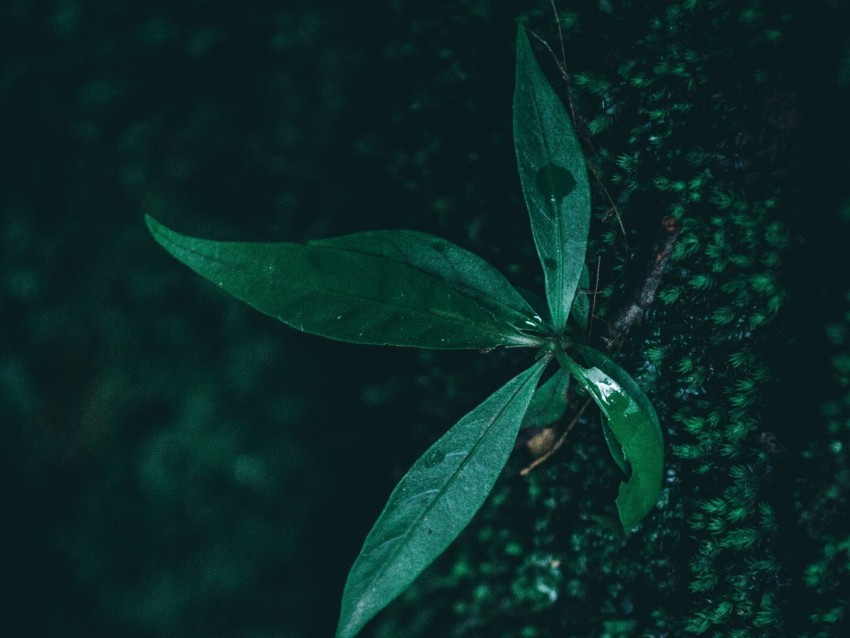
x=700 y=111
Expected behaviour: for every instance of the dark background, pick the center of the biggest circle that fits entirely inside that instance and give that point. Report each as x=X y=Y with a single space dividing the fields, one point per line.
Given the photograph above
x=175 y=464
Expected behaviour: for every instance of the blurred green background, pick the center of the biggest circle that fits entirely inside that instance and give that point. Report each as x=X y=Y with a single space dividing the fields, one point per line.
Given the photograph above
x=176 y=464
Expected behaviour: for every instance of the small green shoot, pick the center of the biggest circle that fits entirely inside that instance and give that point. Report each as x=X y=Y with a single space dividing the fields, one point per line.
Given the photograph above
x=406 y=288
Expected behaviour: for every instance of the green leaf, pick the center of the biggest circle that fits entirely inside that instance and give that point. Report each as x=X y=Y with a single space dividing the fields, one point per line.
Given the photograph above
x=597 y=359
x=635 y=426
x=594 y=358
x=581 y=301
x=549 y=401
x=614 y=447
x=554 y=181
x=435 y=501
x=400 y=288
x=536 y=301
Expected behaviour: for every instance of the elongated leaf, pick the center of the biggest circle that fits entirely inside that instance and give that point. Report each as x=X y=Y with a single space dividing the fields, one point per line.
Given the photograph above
x=635 y=425
x=398 y=288
x=435 y=501
x=554 y=181
x=581 y=301
x=464 y=271
x=594 y=358
x=549 y=401
x=614 y=446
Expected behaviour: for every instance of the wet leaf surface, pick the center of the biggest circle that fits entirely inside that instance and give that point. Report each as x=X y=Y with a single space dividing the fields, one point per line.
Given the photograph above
x=554 y=180
x=435 y=501
x=398 y=288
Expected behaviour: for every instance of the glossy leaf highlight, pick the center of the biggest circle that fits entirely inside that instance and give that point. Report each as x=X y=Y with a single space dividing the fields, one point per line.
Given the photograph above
x=633 y=422
x=554 y=181
x=435 y=501
x=400 y=288
x=597 y=359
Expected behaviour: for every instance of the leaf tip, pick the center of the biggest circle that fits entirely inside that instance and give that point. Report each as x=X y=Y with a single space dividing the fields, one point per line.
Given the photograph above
x=173 y=242
x=522 y=43
x=152 y=224
x=628 y=522
x=350 y=624
x=160 y=232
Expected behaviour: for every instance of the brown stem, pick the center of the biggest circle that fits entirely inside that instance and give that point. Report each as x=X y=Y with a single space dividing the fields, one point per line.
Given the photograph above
x=634 y=310
x=556 y=446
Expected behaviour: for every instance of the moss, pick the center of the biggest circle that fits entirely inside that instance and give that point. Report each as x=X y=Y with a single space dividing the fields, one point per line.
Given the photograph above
x=825 y=577
x=686 y=111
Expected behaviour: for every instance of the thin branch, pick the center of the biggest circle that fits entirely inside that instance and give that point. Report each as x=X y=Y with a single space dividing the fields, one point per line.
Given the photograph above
x=556 y=446
x=633 y=311
x=560 y=33
x=595 y=292
x=614 y=208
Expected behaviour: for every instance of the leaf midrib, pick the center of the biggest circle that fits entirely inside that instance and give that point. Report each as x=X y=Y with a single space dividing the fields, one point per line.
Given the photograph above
x=557 y=313
x=465 y=290
x=394 y=553
x=455 y=319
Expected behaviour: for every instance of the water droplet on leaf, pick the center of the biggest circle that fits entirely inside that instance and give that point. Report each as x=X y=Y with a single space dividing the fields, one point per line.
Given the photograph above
x=555 y=182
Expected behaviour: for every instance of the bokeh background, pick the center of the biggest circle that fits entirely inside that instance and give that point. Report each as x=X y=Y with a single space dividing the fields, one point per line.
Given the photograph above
x=175 y=464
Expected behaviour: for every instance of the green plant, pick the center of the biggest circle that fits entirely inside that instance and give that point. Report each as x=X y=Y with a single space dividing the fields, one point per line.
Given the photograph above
x=407 y=288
